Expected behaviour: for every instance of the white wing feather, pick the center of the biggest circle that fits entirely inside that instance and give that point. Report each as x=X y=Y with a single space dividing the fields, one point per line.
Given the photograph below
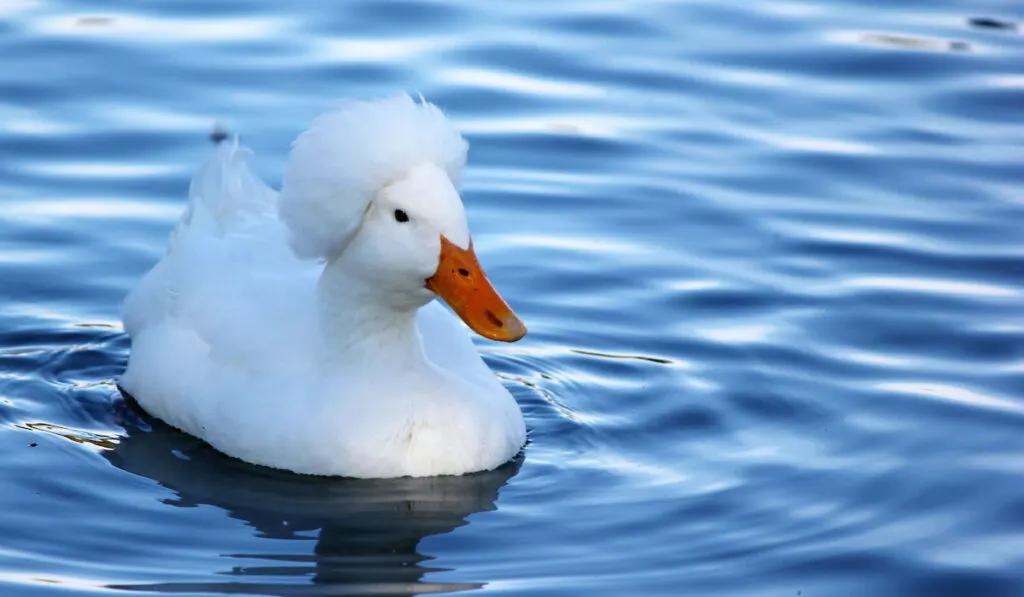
x=228 y=270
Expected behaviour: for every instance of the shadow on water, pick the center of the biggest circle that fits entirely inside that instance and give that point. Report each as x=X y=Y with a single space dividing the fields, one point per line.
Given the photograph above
x=367 y=531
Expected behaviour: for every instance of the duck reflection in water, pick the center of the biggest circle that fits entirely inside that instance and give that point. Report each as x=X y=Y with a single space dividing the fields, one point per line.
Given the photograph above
x=369 y=530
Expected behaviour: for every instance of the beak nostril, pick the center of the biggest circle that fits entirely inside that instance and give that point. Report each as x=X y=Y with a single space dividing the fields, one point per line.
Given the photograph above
x=490 y=317
x=463 y=272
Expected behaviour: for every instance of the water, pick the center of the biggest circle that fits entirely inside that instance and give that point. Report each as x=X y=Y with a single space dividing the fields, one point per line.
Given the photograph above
x=770 y=255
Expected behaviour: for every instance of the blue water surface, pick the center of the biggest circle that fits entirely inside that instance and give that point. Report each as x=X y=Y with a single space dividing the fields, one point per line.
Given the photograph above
x=771 y=255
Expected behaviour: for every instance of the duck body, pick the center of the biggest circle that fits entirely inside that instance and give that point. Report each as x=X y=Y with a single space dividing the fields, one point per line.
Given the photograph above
x=342 y=364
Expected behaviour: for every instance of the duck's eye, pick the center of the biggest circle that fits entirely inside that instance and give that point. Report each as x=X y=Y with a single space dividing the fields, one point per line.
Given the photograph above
x=401 y=216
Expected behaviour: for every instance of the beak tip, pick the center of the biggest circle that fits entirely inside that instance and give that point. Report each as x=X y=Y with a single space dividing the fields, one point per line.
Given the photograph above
x=518 y=330
x=513 y=330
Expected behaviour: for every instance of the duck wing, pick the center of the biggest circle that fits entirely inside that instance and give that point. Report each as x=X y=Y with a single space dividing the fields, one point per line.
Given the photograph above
x=228 y=276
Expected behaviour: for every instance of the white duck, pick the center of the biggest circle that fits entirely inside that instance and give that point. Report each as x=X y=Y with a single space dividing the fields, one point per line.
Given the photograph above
x=298 y=330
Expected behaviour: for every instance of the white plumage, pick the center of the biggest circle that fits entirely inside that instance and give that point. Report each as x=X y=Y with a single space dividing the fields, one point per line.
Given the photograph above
x=339 y=366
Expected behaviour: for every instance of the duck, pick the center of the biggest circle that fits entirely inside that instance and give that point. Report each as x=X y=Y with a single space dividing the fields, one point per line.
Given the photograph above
x=299 y=329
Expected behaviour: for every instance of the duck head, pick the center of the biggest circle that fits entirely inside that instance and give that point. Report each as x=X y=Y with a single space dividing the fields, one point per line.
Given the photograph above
x=374 y=185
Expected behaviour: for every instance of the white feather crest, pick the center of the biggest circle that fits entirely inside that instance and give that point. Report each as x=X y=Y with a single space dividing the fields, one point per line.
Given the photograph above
x=338 y=166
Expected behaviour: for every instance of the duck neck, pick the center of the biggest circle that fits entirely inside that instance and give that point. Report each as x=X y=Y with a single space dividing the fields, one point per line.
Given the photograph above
x=359 y=328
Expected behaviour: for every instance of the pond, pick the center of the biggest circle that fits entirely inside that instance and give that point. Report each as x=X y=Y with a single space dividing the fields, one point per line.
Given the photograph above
x=770 y=255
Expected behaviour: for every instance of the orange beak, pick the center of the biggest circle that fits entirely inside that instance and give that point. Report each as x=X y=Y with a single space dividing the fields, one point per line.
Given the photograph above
x=461 y=283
